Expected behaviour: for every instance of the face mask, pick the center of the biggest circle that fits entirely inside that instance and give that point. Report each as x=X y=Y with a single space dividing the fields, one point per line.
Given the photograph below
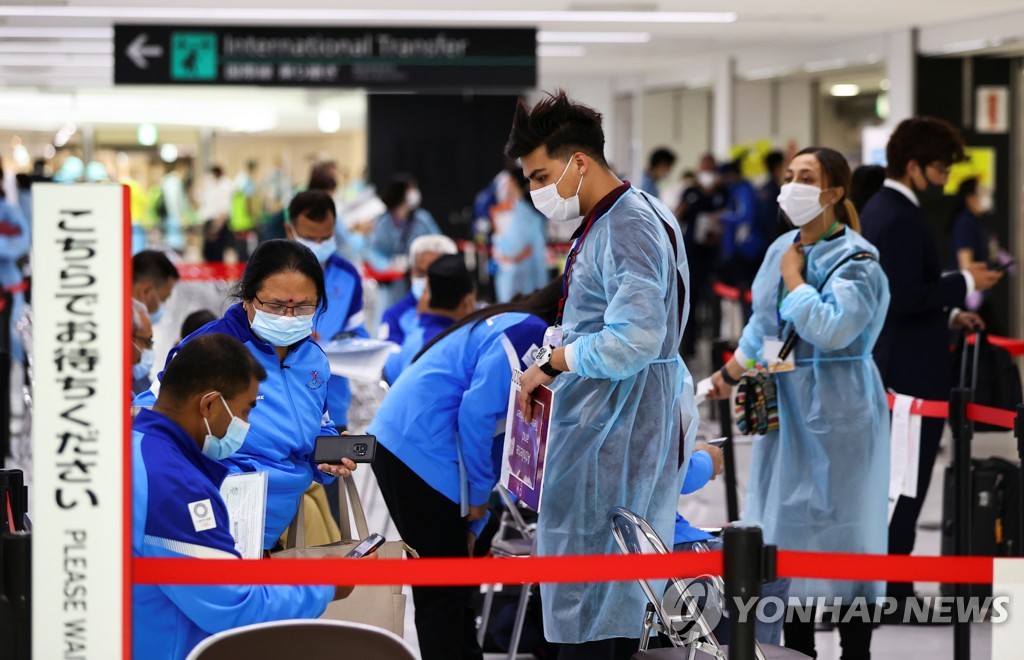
x=155 y=317
x=413 y=198
x=419 y=287
x=554 y=206
x=282 y=331
x=706 y=179
x=799 y=202
x=932 y=191
x=145 y=365
x=220 y=448
x=985 y=203
x=322 y=250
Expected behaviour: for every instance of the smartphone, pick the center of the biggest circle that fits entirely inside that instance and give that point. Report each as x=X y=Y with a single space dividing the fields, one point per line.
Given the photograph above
x=368 y=545
x=331 y=449
x=1003 y=267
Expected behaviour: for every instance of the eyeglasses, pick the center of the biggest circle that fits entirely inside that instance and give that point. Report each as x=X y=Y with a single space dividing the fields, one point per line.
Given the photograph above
x=147 y=342
x=280 y=309
x=940 y=167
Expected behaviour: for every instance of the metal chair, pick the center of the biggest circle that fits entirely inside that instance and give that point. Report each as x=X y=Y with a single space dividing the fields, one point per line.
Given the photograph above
x=302 y=637
x=511 y=548
x=688 y=631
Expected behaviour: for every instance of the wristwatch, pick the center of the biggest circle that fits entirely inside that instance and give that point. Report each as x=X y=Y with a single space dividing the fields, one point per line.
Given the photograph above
x=727 y=377
x=544 y=361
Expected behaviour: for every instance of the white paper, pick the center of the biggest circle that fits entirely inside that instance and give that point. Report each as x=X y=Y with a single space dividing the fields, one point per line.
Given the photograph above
x=913 y=457
x=245 y=496
x=704 y=388
x=359 y=359
x=898 y=449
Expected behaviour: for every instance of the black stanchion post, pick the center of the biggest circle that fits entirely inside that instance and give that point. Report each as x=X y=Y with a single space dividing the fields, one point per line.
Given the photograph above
x=5 y=377
x=962 y=430
x=732 y=504
x=743 y=564
x=17 y=576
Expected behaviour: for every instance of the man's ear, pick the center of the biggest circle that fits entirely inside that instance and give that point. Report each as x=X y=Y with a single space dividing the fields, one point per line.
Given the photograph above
x=206 y=403
x=289 y=231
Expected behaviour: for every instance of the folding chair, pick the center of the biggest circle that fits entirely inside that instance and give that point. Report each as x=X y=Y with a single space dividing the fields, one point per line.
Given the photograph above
x=689 y=632
x=517 y=547
x=303 y=637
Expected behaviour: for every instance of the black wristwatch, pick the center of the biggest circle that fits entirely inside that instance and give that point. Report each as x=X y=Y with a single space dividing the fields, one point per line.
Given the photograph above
x=729 y=380
x=544 y=361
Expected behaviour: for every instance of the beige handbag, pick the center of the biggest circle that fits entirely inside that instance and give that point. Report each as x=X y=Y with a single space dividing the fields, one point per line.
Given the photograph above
x=384 y=606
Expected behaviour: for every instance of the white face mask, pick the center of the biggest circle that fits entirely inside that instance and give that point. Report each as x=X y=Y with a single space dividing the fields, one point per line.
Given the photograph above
x=706 y=179
x=413 y=198
x=554 y=206
x=984 y=205
x=145 y=365
x=322 y=250
x=282 y=331
x=799 y=202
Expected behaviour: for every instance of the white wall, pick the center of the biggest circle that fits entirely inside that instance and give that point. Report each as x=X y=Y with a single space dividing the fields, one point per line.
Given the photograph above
x=752 y=114
x=599 y=93
x=796 y=113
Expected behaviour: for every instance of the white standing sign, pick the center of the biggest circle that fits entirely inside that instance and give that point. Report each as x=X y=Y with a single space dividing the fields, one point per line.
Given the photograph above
x=80 y=583
x=992 y=110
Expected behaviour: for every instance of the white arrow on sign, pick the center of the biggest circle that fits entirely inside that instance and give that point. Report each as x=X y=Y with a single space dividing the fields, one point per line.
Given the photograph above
x=138 y=51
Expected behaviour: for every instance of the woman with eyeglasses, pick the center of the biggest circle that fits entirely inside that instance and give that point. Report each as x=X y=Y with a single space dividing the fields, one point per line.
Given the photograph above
x=279 y=294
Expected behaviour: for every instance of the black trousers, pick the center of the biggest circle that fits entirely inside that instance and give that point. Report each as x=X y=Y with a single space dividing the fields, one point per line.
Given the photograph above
x=215 y=241
x=619 y=648
x=854 y=637
x=903 y=528
x=431 y=524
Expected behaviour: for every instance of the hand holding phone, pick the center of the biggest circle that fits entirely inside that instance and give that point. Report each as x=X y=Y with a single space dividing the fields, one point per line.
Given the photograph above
x=368 y=545
x=331 y=449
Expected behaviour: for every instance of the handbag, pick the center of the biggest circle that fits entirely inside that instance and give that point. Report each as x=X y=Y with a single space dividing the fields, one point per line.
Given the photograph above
x=381 y=606
x=757 y=405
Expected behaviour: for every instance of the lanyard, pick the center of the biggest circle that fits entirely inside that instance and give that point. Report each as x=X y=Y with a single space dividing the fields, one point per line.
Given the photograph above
x=782 y=291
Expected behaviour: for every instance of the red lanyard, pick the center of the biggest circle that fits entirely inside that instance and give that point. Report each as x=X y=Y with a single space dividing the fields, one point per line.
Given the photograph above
x=569 y=261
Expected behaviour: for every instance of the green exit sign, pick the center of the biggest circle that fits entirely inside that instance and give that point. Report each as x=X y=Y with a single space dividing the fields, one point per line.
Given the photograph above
x=194 y=56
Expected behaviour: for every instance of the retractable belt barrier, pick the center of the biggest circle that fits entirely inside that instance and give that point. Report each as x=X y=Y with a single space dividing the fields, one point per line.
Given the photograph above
x=975 y=412
x=1015 y=347
x=727 y=292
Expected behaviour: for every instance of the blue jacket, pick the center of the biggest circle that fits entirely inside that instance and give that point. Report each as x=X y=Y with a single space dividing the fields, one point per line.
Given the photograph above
x=292 y=412
x=14 y=242
x=344 y=313
x=743 y=237
x=177 y=511
x=398 y=320
x=459 y=389
x=698 y=474
x=427 y=327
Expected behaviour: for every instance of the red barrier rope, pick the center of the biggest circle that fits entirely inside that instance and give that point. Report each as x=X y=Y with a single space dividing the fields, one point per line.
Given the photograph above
x=731 y=293
x=590 y=568
x=1015 y=347
x=211 y=271
x=975 y=412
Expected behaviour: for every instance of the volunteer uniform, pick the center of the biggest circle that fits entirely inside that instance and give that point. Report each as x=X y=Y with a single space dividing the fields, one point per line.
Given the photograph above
x=427 y=327
x=399 y=320
x=177 y=511
x=616 y=426
x=344 y=315
x=291 y=412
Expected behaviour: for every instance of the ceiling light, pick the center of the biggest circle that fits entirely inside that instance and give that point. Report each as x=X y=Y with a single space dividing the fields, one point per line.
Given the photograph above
x=328 y=120
x=57 y=60
x=845 y=90
x=49 y=151
x=44 y=47
x=390 y=16
x=825 y=65
x=549 y=37
x=548 y=50
x=885 y=85
x=21 y=156
x=168 y=153
x=56 y=33
x=147 y=135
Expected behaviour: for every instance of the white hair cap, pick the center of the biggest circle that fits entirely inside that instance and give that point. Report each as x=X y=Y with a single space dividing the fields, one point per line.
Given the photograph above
x=437 y=243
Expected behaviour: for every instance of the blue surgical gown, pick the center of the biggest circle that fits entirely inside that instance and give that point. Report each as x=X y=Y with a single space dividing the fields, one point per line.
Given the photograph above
x=391 y=238
x=820 y=483
x=617 y=419
x=525 y=229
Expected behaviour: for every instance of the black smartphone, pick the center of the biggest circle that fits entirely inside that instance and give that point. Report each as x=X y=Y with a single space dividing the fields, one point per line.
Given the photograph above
x=331 y=449
x=1001 y=266
x=368 y=545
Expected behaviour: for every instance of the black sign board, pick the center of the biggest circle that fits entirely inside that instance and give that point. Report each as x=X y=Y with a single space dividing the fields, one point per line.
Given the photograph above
x=406 y=59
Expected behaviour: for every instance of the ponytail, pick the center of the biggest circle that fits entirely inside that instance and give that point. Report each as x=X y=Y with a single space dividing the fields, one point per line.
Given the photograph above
x=849 y=215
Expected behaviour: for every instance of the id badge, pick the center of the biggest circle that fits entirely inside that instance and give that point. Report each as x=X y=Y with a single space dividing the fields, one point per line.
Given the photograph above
x=553 y=336
x=772 y=348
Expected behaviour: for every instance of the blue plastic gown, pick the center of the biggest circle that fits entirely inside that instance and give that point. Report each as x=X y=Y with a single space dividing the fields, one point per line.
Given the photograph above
x=616 y=420
x=821 y=482
x=525 y=230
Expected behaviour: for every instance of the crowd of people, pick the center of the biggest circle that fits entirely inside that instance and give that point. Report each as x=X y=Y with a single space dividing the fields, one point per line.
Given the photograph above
x=850 y=297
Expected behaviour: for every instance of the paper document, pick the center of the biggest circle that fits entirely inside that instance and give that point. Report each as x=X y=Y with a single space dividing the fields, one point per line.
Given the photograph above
x=359 y=359
x=526 y=445
x=704 y=388
x=904 y=451
x=245 y=495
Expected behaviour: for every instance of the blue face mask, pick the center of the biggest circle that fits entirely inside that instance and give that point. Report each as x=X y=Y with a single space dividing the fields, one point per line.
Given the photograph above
x=220 y=448
x=155 y=317
x=282 y=331
x=145 y=365
x=419 y=287
x=322 y=250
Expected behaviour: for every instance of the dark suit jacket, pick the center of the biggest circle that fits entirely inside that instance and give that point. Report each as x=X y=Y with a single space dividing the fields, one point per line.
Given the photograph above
x=912 y=352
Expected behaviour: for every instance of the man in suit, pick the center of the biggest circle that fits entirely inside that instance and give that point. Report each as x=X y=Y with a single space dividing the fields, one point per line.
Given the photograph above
x=912 y=352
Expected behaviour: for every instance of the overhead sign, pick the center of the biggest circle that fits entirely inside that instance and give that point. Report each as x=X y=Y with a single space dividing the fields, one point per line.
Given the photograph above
x=418 y=59
x=80 y=426
x=992 y=110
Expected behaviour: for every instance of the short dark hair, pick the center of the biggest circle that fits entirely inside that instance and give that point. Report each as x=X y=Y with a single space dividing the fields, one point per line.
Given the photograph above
x=153 y=266
x=450 y=281
x=864 y=183
x=321 y=178
x=217 y=171
x=393 y=192
x=213 y=361
x=196 y=320
x=922 y=140
x=662 y=156
x=314 y=204
x=773 y=160
x=252 y=164
x=558 y=124
x=280 y=256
